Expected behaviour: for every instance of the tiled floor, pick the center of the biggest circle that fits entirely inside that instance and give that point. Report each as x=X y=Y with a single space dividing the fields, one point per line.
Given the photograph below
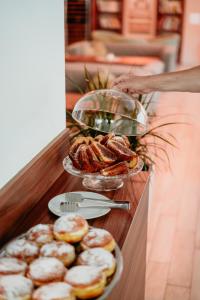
x=173 y=258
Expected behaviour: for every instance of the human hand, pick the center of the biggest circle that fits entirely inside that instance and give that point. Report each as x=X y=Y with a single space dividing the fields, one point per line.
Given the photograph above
x=132 y=84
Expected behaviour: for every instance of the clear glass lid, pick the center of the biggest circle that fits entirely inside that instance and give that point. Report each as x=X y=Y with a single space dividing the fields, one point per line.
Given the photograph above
x=110 y=110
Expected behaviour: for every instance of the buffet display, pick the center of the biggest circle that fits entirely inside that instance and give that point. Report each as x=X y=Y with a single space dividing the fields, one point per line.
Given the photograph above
x=70 y=260
x=66 y=260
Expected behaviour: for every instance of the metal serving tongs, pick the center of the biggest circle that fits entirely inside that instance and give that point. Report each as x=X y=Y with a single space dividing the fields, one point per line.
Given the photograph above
x=74 y=201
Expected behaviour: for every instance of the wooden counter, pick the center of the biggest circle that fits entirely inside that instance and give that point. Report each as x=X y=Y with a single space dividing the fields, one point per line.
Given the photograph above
x=23 y=203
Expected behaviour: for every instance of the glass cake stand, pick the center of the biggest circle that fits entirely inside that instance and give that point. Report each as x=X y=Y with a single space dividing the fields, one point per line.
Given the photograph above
x=98 y=182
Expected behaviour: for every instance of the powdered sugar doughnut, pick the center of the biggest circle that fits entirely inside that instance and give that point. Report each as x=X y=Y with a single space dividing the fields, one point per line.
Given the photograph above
x=41 y=234
x=87 y=281
x=15 y=287
x=46 y=270
x=98 y=257
x=70 y=228
x=97 y=237
x=54 y=291
x=23 y=249
x=59 y=249
x=12 y=266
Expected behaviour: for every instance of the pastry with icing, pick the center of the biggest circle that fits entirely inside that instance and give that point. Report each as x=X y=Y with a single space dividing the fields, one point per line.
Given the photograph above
x=23 y=249
x=41 y=234
x=45 y=270
x=54 y=291
x=70 y=228
x=59 y=249
x=15 y=287
x=97 y=237
x=98 y=257
x=12 y=266
x=87 y=281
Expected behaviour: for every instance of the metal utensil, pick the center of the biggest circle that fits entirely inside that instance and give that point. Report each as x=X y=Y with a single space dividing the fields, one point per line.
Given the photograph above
x=72 y=206
x=77 y=197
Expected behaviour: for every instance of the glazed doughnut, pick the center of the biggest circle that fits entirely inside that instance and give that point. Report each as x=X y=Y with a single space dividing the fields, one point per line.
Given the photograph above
x=61 y=250
x=15 y=287
x=98 y=257
x=87 y=281
x=41 y=234
x=97 y=237
x=46 y=270
x=70 y=228
x=12 y=266
x=23 y=249
x=54 y=291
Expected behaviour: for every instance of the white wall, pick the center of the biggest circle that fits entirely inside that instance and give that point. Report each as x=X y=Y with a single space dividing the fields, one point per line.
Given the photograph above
x=32 y=88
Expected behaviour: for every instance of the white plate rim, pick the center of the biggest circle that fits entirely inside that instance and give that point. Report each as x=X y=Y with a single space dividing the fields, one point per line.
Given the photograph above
x=91 y=194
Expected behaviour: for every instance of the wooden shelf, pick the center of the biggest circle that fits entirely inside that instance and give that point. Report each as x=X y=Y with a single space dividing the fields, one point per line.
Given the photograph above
x=77 y=21
x=110 y=13
x=170 y=14
x=140 y=18
x=169 y=31
x=100 y=14
x=176 y=19
x=140 y=21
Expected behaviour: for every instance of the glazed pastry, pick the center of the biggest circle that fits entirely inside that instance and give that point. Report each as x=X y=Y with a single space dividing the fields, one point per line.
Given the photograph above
x=117 y=169
x=70 y=228
x=23 y=249
x=46 y=270
x=61 y=250
x=54 y=291
x=98 y=238
x=98 y=257
x=12 y=266
x=122 y=140
x=15 y=287
x=87 y=281
x=122 y=152
x=102 y=153
x=41 y=234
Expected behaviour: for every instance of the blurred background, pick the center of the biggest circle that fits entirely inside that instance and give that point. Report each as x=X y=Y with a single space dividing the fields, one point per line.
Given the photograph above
x=119 y=36
x=45 y=45
x=151 y=37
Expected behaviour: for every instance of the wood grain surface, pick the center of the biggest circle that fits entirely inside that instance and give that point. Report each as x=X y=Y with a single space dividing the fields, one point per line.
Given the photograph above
x=117 y=221
x=24 y=203
x=25 y=190
x=132 y=283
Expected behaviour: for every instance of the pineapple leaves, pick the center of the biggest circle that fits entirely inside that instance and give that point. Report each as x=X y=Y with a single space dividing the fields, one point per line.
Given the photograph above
x=75 y=84
x=89 y=80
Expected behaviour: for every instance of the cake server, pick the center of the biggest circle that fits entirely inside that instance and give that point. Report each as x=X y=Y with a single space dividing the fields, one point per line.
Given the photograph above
x=77 y=197
x=72 y=206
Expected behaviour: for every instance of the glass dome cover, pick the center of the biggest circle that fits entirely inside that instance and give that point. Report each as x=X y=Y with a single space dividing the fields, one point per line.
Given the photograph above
x=109 y=110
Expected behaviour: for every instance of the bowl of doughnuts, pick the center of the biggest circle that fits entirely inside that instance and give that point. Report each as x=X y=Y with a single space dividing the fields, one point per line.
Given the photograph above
x=67 y=260
x=103 y=161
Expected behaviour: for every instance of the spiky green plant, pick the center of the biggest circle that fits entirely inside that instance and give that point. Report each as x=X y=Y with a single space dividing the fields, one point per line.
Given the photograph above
x=140 y=144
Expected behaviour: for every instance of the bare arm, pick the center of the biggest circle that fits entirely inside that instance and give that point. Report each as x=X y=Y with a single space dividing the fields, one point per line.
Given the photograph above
x=183 y=81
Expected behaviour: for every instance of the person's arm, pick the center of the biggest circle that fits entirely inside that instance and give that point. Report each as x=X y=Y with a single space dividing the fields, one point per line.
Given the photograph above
x=183 y=81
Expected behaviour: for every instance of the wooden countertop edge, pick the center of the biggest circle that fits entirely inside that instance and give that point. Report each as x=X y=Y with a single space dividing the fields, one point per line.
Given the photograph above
x=27 y=195
x=25 y=189
x=133 y=250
